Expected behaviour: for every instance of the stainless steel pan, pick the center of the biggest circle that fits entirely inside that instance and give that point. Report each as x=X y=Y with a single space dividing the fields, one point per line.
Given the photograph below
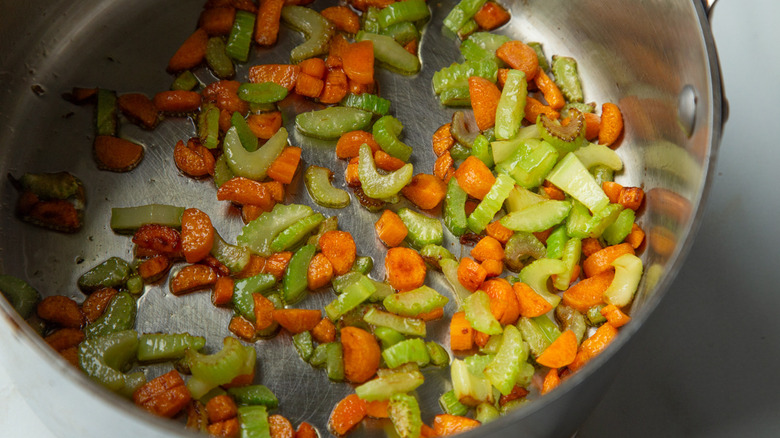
x=656 y=59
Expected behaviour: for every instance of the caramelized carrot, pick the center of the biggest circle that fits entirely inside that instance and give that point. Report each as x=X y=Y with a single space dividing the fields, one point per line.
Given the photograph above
x=592 y=126
x=519 y=56
x=361 y=354
x=164 y=396
x=255 y=266
x=534 y=107
x=611 y=124
x=314 y=67
x=242 y=328
x=531 y=303
x=446 y=424
x=280 y=427
x=217 y=21
x=284 y=166
x=308 y=85
x=590 y=245
x=484 y=97
x=154 y=268
x=190 y=53
x=348 y=145
x=223 y=291
x=602 y=260
x=297 y=320
x=390 y=228
x=503 y=73
x=197 y=235
x=346 y=414
x=221 y=408
x=444 y=167
x=474 y=177
x=491 y=15
x=471 y=274
x=265 y=125
x=405 y=268
x=552 y=94
x=493 y=268
x=631 y=197
x=224 y=94
x=116 y=154
x=277 y=263
x=336 y=85
x=340 y=249
x=635 y=237
x=594 y=345
x=377 y=409
x=411 y=47
x=306 y=430
x=264 y=311
x=343 y=18
x=177 y=101
x=432 y=315
x=139 y=108
x=499 y=232
x=320 y=272
x=551 y=381
x=461 y=333
x=227 y=428
x=194 y=159
x=64 y=338
x=612 y=190
x=267 y=23
x=351 y=173
x=358 y=62
x=480 y=339
x=425 y=191
x=503 y=301
x=160 y=239
x=281 y=74
x=615 y=316
x=487 y=248
x=427 y=431
x=588 y=292
x=191 y=278
x=442 y=139
x=324 y=331
x=96 y=302
x=387 y=162
x=561 y=352
x=62 y=311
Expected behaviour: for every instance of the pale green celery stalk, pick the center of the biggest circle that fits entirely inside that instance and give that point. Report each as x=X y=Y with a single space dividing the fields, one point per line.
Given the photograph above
x=411 y=303
x=511 y=105
x=353 y=295
x=567 y=78
x=503 y=149
x=477 y=308
x=322 y=191
x=407 y=326
x=619 y=230
x=423 y=230
x=482 y=45
x=233 y=257
x=520 y=198
x=628 y=273
x=455 y=208
x=461 y=13
x=380 y=186
x=252 y=165
x=293 y=234
x=530 y=163
x=504 y=369
x=410 y=350
x=573 y=178
x=537 y=217
x=571 y=258
x=129 y=219
x=491 y=203
x=486 y=412
x=598 y=155
x=386 y=385
x=449 y=268
x=390 y=54
x=469 y=389
x=316 y=28
x=536 y=275
x=450 y=405
x=259 y=234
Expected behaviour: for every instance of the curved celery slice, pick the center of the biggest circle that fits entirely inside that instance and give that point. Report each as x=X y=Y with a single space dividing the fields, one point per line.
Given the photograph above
x=264 y=92
x=218 y=59
x=409 y=350
x=167 y=346
x=320 y=189
x=222 y=172
x=537 y=273
x=118 y=316
x=455 y=208
x=423 y=230
x=520 y=247
x=253 y=421
x=567 y=78
x=461 y=13
x=258 y=234
x=571 y=258
x=208 y=125
x=511 y=105
x=332 y=122
x=380 y=186
x=103 y=357
x=457 y=75
x=433 y=254
x=386 y=131
x=240 y=39
x=243 y=303
x=221 y=367
x=449 y=267
x=390 y=54
x=385 y=386
x=537 y=217
x=539 y=332
x=414 y=302
x=504 y=369
x=619 y=229
x=477 y=308
x=248 y=139
x=530 y=163
x=368 y=102
x=23 y=297
x=402 y=32
x=628 y=272
x=482 y=45
x=491 y=203
x=404 y=412
x=573 y=178
x=294 y=281
x=316 y=28
x=252 y=165
x=353 y=295
x=296 y=232
x=129 y=219
x=410 y=10
x=603 y=219
x=233 y=257
x=469 y=389
x=407 y=326
x=598 y=155
x=567 y=138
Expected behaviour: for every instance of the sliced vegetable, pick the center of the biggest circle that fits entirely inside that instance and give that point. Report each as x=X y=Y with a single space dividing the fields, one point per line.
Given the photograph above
x=318 y=183
x=316 y=28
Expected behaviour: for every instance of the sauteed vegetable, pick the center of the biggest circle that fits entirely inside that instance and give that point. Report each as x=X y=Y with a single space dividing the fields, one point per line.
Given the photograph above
x=548 y=242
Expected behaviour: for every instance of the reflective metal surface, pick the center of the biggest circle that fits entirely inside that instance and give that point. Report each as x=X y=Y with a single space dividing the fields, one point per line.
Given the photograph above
x=642 y=57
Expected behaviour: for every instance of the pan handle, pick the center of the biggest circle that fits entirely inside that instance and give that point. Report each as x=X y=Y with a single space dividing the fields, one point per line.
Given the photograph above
x=708 y=5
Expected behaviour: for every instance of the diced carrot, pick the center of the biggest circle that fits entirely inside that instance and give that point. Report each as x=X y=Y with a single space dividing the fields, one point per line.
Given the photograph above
x=339 y=247
x=190 y=53
x=308 y=85
x=216 y=265
x=297 y=320
x=284 y=166
x=264 y=311
x=504 y=304
x=223 y=291
x=276 y=189
x=405 y=268
x=361 y=354
x=588 y=292
x=224 y=94
x=348 y=145
x=432 y=315
x=444 y=168
x=255 y=266
x=276 y=263
x=217 y=21
x=387 y=162
x=594 y=345
x=306 y=430
x=267 y=23
x=561 y=352
x=358 y=62
x=320 y=272
x=265 y=125
x=493 y=268
x=116 y=154
x=165 y=396
x=338 y=44
x=343 y=18
x=281 y=74
x=487 y=248
x=79 y=95
x=480 y=339
x=503 y=73
x=71 y=355
x=517 y=392
x=191 y=278
x=194 y=159
x=553 y=192
x=390 y=228
x=519 y=56
x=228 y=428
x=427 y=431
x=635 y=237
x=377 y=408
x=251 y=212
x=611 y=124
x=592 y=126
x=531 y=303
x=352 y=174
x=242 y=328
x=225 y=120
x=491 y=15
x=314 y=67
x=64 y=338
x=160 y=239
x=471 y=274
x=411 y=46
x=446 y=424
x=552 y=94
x=197 y=235
x=612 y=190
x=590 y=245
x=346 y=414
x=631 y=197
x=280 y=427
x=355 y=87
x=534 y=107
x=221 y=408
x=474 y=177
x=461 y=333
x=425 y=191
x=602 y=260
x=615 y=316
x=324 y=331
x=484 y=97
x=177 y=101
x=139 y=108
x=551 y=381
x=499 y=232
x=154 y=268
x=97 y=302
x=442 y=139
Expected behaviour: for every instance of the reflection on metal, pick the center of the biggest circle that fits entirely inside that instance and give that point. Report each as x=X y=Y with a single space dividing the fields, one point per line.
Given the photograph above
x=686 y=109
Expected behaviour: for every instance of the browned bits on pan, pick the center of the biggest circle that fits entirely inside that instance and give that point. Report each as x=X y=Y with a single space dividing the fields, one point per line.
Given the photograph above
x=97 y=302
x=61 y=311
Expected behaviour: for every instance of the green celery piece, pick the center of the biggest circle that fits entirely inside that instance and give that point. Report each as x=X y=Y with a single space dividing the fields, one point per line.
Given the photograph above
x=293 y=234
x=334 y=361
x=253 y=422
x=567 y=78
x=390 y=54
x=579 y=220
x=185 y=81
x=294 y=281
x=22 y=297
x=461 y=13
x=457 y=75
x=537 y=217
x=106 y=114
x=469 y=27
x=532 y=333
x=383 y=290
x=540 y=56
x=403 y=32
x=530 y=163
x=385 y=386
x=598 y=155
x=455 y=208
x=59 y=185
x=217 y=58
x=456 y=96
x=410 y=10
x=555 y=242
x=332 y=122
x=404 y=412
x=129 y=219
x=363 y=264
x=208 y=125
x=243 y=288
x=537 y=273
x=450 y=405
x=370 y=21
x=368 y=102
x=166 y=346
x=477 y=308
x=571 y=319
x=503 y=149
x=481 y=149
x=135 y=284
x=603 y=218
x=340 y=283
x=264 y=92
x=570 y=255
x=423 y=230
x=376 y=185
x=492 y=345
x=449 y=267
x=102 y=359
x=459 y=151
x=329 y=224
x=486 y=412
x=388 y=337
x=527 y=372
x=469 y=389
x=254 y=395
x=259 y=234
x=321 y=190
x=567 y=138
x=353 y=295
x=319 y=356
x=114 y=273
x=520 y=198
x=439 y=356
x=386 y=131
x=406 y=326
x=491 y=203
x=410 y=350
x=252 y=165
x=482 y=45
x=520 y=247
x=434 y=254
x=240 y=39
x=579 y=106
x=628 y=273
x=476 y=363
x=414 y=302
x=595 y=318
x=619 y=230
x=602 y=173
x=233 y=257
x=316 y=28
x=221 y=367
x=511 y=105
x=118 y=316
x=504 y=369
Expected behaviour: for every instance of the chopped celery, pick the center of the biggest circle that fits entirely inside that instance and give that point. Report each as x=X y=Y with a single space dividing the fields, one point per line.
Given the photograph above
x=573 y=178
x=469 y=27
x=578 y=222
x=459 y=151
x=254 y=395
x=476 y=363
x=543 y=64
x=594 y=315
x=334 y=361
x=106 y=112
x=353 y=295
x=438 y=354
x=217 y=58
x=293 y=234
x=388 y=337
x=461 y=13
x=504 y=369
x=185 y=81
x=386 y=131
x=370 y=20
x=252 y=165
x=407 y=326
x=628 y=272
x=410 y=10
x=129 y=219
x=294 y=281
x=321 y=190
x=482 y=150
x=264 y=92
x=603 y=218
x=486 y=412
x=566 y=138
x=602 y=173
x=537 y=273
x=102 y=359
x=423 y=230
x=339 y=283
x=113 y=272
x=455 y=208
x=598 y=155
x=316 y=28
x=240 y=39
x=390 y=54
x=402 y=32
x=477 y=308
x=491 y=203
x=208 y=125
x=567 y=78
x=363 y=264
x=538 y=332
x=449 y=267
x=368 y=102
x=222 y=172
x=233 y=257
x=456 y=96
x=167 y=346
x=450 y=405
x=469 y=389
x=243 y=288
x=388 y=384
x=332 y=122
x=376 y=185
x=511 y=105
x=22 y=297
x=530 y=163
x=410 y=350
x=457 y=75
x=118 y=316
x=482 y=45
x=571 y=319
x=537 y=217
x=520 y=247
x=503 y=149
x=404 y=411
x=570 y=255
x=434 y=254
x=555 y=242
x=259 y=234
x=223 y=366
x=520 y=198
x=414 y=302
x=619 y=230
x=253 y=422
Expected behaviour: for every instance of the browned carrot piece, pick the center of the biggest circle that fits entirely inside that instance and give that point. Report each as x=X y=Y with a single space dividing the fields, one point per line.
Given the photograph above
x=446 y=424
x=561 y=352
x=224 y=94
x=411 y=46
x=348 y=145
x=197 y=235
x=519 y=56
x=635 y=237
x=338 y=44
x=221 y=408
x=308 y=85
x=160 y=239
x=501 y=77
x=493 y=268
x=631 y=197
x=251 y=212
x=227 y=428
x=361 y=354
x=177 y=101
x=534 y=107
x=425 y=191
x=264 y=311
x=552 y=94
x=267 y=23
x=284 y=166
x=346 y=414
x=594 y=345
x=480 y=339
x=223 y=291
x=116 y=154
x=96 y=303
x=611 y=124
x=377 y=409
x=324 y=331
x=474 y=177
x=154 y=268
x=62 y=311
x=265 y=125
x=194 y=159
x=553 y=192
x=517 y=392
x=484 y=97
x=442 y=139
x=531 y=303
x=588 y=292
x=358 y=88
x=255 y=266
x=276 y=189
x=487 y=248
x=615 y=316
x=590 y=245
x=339 y=247
x=297 y=320
x=503 y=301
x=277 y=263
x=165 y=396
x=320 y=272
x=612 y=190
x=79 y=95
x=351 y=173
x=358 y=62
x=602 y=260
x=551 y=381
x=280 y=427
x=343 y=18
x=190 y=53
x=387 y=162
x=491 y=15
x=390 y=228
x=444 y=168
x=306 y=430
x=471 y=274
x=592 y=126
x=499 y=232
x=282 y=74
x=427 y=431
x=191 y=278
x=64 y=338
x=314 y=67
x=461 y=333
x=336 y=86
x=432 y=315
x=242 y=328
x=139 y=108
x=405 y=268
x=217 y=21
